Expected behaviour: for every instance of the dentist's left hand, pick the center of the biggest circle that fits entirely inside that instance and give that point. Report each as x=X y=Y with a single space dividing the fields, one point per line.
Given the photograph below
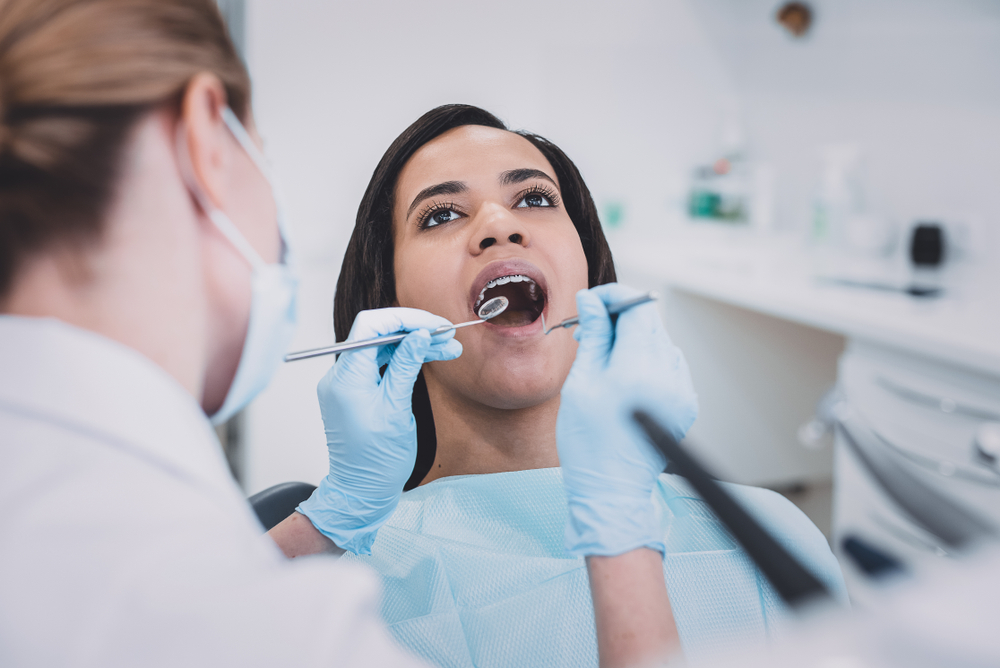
x=609 y=469
x=370 y=430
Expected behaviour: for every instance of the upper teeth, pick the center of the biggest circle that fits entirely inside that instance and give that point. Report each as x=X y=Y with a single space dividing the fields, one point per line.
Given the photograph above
x=503 y=280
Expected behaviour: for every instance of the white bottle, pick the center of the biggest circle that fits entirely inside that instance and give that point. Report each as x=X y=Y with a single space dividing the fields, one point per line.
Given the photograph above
x=838 y=198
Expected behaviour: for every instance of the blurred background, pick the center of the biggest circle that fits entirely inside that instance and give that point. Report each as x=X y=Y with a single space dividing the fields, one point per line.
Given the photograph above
x=814 y=187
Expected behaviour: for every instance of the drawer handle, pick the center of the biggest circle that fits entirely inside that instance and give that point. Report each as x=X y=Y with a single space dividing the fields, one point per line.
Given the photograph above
x=942 y=403
x=955 y=526
x=984 y=469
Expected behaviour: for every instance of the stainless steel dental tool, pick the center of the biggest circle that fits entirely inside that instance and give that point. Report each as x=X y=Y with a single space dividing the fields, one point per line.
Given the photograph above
x=613 y=309
x=491 y=309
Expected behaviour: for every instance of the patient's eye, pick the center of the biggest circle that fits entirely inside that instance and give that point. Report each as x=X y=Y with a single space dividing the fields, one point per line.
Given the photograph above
x=537 y=197
x=439 y=216
x=534 y=199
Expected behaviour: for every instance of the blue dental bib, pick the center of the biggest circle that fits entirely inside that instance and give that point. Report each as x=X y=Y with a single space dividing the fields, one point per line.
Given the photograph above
x=475 y=573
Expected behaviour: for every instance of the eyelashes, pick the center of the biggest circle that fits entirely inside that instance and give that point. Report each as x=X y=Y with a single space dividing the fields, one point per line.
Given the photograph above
x=435 y=214
x=545 y=191
x=431 y=215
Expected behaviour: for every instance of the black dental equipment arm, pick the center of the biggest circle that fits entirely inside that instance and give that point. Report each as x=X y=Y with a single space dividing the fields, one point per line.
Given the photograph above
x=793 y=582
x=870 y=560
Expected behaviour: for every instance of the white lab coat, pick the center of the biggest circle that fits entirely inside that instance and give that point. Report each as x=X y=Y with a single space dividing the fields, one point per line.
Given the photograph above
x=124 y=540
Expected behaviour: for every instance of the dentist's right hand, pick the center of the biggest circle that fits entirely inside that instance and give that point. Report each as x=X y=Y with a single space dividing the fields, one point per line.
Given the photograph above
x=370 y=430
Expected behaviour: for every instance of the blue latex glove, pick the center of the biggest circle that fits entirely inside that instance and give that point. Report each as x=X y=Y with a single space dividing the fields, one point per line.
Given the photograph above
x=370 y=430
x=609 y=468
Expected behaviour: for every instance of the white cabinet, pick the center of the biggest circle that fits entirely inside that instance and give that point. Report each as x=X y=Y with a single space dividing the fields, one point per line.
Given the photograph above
x=925 y=373
x=928 y=413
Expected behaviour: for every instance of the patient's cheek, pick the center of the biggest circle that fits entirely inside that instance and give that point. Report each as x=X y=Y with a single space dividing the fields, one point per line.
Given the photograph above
x=413 y=287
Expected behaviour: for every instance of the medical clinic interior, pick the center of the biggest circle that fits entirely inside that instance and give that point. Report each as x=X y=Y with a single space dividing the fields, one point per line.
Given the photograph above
x=802 y=197
x=470 y=334
x=812 y=189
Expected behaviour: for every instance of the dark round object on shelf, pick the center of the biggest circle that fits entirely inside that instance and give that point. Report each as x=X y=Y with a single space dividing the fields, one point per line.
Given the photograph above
x=927 y=245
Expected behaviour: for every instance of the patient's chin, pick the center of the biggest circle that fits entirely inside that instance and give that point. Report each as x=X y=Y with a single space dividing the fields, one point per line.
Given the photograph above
x=519 y=397
x=519 y=386
x=504 y=384
x=506 y=374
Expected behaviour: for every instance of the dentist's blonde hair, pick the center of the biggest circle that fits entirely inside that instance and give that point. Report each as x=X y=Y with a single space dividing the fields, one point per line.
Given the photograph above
x=75 y=77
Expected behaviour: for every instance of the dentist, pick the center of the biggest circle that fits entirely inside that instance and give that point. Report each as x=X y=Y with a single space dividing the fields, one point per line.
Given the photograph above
x=146 y=288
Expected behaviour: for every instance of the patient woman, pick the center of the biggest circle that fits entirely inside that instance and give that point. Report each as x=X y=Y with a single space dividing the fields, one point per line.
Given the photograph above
x=475 y=572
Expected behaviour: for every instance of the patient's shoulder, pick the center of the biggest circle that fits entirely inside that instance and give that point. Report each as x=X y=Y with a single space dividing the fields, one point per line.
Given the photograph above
x=779 y=516
x=757 y=500
x=776 y=513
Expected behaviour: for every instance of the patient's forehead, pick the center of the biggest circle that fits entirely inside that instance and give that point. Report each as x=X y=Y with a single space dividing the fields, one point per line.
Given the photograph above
x=473 y=154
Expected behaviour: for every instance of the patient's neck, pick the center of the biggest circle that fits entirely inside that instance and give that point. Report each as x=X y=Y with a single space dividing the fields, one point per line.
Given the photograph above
x=473 y=438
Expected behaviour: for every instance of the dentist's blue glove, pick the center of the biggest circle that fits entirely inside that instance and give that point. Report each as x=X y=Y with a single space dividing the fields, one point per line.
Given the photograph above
x=609 y=468
x=370 y=430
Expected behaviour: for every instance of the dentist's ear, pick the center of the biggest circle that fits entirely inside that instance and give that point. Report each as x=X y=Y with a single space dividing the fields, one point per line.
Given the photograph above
x=209 y=144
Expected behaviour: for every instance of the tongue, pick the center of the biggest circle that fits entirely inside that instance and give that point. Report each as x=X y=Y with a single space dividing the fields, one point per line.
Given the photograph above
x=526 y=303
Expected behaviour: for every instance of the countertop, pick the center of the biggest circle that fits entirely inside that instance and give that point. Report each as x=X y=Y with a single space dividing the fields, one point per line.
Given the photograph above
x=784 y=279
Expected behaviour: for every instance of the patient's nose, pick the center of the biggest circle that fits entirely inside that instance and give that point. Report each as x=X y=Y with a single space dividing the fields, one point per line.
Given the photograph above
x=490 y=241
x=498 y=226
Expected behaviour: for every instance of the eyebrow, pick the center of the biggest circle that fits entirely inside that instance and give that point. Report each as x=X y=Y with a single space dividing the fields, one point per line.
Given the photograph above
x=512 y=176
x=446 y=188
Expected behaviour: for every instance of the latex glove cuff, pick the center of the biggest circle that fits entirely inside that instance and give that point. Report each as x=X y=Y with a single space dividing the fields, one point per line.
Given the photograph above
x=351 y=523
x=589 y=535
x=607 y=518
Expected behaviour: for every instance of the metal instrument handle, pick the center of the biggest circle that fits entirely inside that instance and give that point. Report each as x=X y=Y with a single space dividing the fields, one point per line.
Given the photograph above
x=613 y=309
x=351 y=346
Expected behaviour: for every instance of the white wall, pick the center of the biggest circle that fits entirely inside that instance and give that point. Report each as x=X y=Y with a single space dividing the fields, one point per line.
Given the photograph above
x=915 y=82
x=631 y=90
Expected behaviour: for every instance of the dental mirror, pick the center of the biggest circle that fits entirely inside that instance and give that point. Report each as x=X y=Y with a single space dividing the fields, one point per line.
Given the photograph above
x=493 y=307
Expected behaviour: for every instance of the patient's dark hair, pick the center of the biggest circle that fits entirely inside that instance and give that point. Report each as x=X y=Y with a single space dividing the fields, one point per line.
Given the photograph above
x=367 y=277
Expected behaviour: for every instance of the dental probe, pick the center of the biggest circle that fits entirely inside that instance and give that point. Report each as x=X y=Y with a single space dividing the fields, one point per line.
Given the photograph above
x=491 y=309
x=613 y=309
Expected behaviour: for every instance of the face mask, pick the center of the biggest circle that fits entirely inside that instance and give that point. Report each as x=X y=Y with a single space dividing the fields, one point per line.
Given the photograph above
x=273 y=292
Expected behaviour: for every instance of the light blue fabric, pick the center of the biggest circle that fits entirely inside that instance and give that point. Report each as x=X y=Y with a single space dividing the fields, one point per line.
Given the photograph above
x=475 y=571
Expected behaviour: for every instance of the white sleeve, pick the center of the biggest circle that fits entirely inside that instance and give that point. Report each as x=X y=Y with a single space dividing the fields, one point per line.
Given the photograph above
x=109 y=560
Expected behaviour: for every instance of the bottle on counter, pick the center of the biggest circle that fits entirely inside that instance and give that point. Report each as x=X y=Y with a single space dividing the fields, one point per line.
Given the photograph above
x=723 y=190
x=838 y=198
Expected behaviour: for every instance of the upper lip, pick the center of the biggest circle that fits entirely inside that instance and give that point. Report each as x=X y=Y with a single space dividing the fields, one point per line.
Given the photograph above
x=508 y=267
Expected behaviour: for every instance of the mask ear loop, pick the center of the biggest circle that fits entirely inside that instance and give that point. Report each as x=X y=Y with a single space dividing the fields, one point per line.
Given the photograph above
x=218 y=218
x=263 y=164
x=243 y=137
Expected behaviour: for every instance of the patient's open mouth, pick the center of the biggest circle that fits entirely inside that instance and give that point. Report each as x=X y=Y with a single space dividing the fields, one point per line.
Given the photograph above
x=527 y=300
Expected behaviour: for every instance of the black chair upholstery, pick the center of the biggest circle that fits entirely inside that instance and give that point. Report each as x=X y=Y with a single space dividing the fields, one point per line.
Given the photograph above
x=276 y=503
